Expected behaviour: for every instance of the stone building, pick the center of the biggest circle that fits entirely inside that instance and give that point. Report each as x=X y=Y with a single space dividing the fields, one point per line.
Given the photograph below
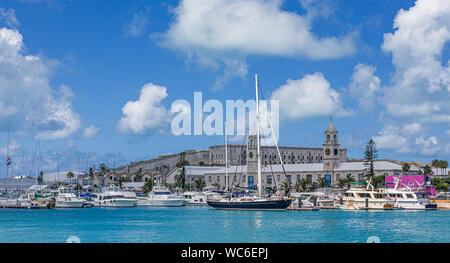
x=331 y=164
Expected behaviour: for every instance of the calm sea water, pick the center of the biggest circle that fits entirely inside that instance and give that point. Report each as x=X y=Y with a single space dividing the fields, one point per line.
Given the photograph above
x=203 y=224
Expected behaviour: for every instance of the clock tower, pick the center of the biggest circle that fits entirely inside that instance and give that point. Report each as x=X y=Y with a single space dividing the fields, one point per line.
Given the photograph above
x=331 y=150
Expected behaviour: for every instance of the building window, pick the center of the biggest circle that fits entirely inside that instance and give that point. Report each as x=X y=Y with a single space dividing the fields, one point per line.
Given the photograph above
x=269 y=179
x=338 y=176
x=278 y=177
x=289 y=178
x=218 y=179
x=243 y=178
x=309 y=178
x=210 y=178
x=298 y=178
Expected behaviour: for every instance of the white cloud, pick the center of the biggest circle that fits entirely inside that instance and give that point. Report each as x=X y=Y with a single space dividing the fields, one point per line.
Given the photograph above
x=407 y=138
x=427 y=146
x=26 y=96
x=14 y=148
x=216 y=31
x=8 y=17
x=90 y=132
x=307 y=97
x=413 y=128
x=421 y=84
x=138 y=24
x=147 y=113
x=364 y=85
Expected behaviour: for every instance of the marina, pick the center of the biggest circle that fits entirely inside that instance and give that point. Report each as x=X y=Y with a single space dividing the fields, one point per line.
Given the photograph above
x=203 y=224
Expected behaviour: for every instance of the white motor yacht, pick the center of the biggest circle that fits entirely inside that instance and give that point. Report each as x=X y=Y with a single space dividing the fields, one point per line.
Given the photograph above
x=161 y=196
x=194 y=199
x=114 y=197
x=66 y=199
x=313 y=199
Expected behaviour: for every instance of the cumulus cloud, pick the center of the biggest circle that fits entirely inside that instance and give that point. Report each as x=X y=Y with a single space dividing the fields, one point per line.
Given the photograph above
x=147 y=113
x=90 y=132
x=215 y=30
x=421 y=83
x=407 y=138
x=26 y=97
x=364 y=86
x=307 y=97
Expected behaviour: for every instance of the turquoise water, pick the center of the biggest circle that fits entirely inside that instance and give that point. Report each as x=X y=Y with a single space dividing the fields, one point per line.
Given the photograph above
x=203 y=224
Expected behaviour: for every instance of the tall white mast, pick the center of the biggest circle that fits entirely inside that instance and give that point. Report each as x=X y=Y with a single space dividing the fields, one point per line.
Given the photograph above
x=226 y=157
x=37 y=162
x=7 y=157
x=257 y=136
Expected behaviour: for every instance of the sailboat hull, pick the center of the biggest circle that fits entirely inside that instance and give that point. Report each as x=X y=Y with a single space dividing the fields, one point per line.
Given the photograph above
x=251 y=205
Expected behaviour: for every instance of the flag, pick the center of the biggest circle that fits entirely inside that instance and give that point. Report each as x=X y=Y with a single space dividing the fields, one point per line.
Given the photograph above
x=8 y=161
x=265 y=165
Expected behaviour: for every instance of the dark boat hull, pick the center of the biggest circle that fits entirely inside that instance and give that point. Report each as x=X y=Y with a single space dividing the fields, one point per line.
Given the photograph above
x=252 y=205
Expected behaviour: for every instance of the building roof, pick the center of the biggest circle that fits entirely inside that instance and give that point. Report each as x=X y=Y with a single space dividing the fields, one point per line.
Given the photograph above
x=310 y=167
x=201 y=170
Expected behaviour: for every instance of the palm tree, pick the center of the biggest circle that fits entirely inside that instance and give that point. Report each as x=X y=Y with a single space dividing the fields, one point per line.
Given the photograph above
x=41 y=177
x=443 y=165
x=321 y=182
x=349 y=179
x=200 y=184
x=302 y=184
x=217 y=185
x=148 y=185
x=286 y=187
x=427 y=170
x=405 y=167
x=342 y=182
x=435 y=164
x=70 y=175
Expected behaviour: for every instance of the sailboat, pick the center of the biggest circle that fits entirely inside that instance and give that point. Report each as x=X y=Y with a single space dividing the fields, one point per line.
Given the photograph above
x=255 y=202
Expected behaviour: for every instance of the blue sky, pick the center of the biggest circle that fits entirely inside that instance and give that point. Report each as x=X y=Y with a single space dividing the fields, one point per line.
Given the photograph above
x=68 y=68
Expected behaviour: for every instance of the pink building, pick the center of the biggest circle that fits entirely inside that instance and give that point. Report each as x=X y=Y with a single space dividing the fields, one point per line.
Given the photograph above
x=418 y=183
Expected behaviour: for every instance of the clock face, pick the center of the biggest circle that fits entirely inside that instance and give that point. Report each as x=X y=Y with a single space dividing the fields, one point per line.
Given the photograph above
x=336 y=151
x=327 y=151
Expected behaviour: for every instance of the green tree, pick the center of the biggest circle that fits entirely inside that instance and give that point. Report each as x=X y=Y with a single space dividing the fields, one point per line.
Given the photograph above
x=138 y=176
x=342 y=182
x=217 y=185
x=378 y=181
x=70 y=175
x=405 y=167
x=369 y=156
x=41 y=177
x=104 y=170
x=200 y=184
x=442 y=187
x=321 y=182
x=435 y=164
x=182 y=163
x=286 y=187
x=148 y=185
x=427 y=170
x=303 y=184
x=123 y=179
x=349 y=179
